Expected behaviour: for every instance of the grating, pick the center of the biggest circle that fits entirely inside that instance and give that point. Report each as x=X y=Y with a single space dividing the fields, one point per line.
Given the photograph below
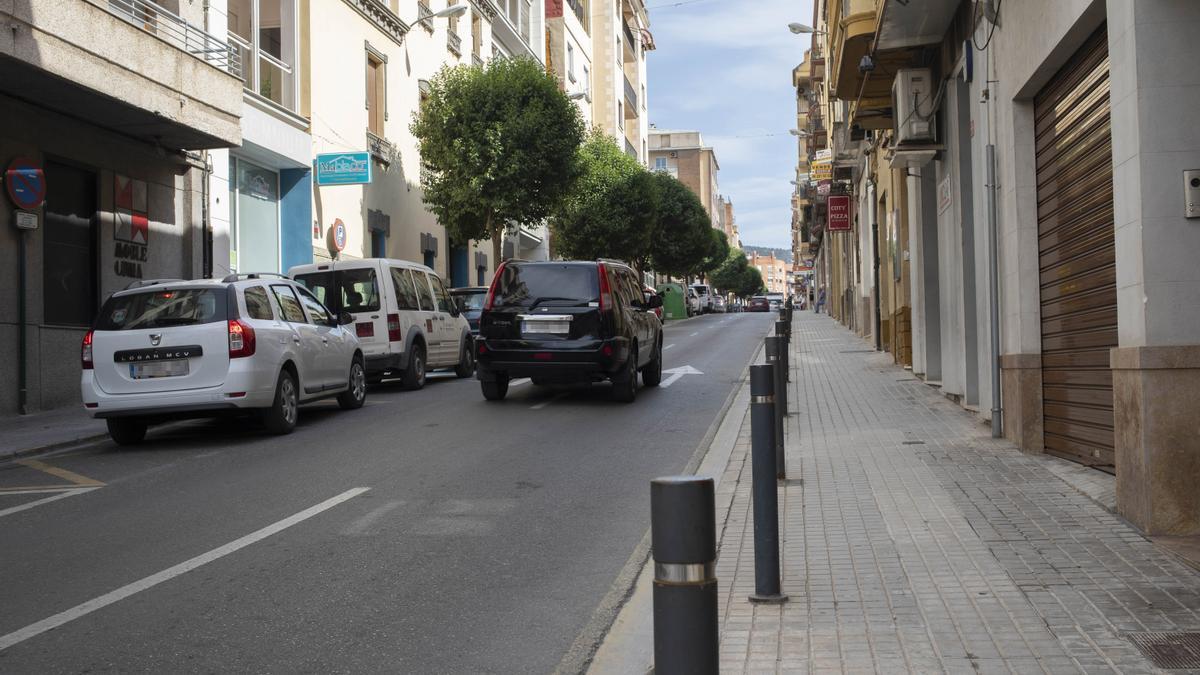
x=1169 y=650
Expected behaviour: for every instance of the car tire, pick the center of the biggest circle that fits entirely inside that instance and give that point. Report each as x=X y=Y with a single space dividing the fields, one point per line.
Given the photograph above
x=281 y=417
x=494 y=390
x=652 y=373
x=356 y=393
x=414 y=375
x=127 y=430
x=539 y=381
x=466 y=360
x=625 y=385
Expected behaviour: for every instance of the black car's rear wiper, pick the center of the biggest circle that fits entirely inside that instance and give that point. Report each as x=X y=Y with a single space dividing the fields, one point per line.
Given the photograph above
x=576 y=302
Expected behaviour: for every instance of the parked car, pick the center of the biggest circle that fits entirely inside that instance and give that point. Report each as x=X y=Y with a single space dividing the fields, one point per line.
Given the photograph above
x=560 y=322
x=718 y=304
x=705 y=295
x=470 y=303
x=658 y=311
x=246 y=344
x=404 y=318
x=694 y=306
x=775 y=300
x=758 y=303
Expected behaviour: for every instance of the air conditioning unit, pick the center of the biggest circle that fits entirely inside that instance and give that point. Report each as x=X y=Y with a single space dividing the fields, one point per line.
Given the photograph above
x=912 y=105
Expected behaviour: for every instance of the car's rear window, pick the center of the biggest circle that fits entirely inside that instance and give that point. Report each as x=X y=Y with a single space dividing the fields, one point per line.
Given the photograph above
x=348 y=290
x=547 y=284
x=163 y=308
x=473 y=300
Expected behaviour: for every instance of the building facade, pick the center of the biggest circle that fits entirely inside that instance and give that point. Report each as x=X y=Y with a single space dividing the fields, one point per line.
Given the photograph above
x=1019 y=233
x=776 y=272
x=107 y=110
x=682 y=154
x=621 y=39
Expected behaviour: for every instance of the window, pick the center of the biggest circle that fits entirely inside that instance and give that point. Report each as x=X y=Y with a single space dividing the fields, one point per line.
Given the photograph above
x=406 y=291
x=620 y=115
x=570 y=62
x=660 y=163
x=317 y=314
x=423 y=293
x=443 y=298
x=352 y=290
x=587 y=81
x=476 y=36
x=289 y=305
x=376 y=93
x=258 y=306
x=665 y=141
x=161 y=309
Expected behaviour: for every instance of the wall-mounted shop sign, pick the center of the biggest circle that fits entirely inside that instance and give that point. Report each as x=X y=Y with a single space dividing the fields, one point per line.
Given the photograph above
x=343 y=168
x=839 y=213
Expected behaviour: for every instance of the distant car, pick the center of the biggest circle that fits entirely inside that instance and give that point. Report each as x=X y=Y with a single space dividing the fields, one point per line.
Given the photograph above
x=758 y=303
x=470 y=303
x=658 y=311
x=718 y=304
x=569 y=322
x=694 y=306
x=705 y=295
x=775 y=300
x=249 y=343
x=403 y=316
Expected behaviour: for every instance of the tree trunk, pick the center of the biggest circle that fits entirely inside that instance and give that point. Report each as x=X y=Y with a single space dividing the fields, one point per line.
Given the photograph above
x=497 y=242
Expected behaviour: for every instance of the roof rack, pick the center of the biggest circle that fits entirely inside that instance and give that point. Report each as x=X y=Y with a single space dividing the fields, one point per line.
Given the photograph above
x=252 y=275
x=141 y=283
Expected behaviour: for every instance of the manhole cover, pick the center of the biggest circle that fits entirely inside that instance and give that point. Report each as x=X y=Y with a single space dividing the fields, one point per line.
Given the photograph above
x=1169 y=650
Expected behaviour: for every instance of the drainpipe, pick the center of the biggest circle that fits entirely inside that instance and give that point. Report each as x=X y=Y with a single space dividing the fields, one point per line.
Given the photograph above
x=993 y=289
x=873 y=215
x=22 y=348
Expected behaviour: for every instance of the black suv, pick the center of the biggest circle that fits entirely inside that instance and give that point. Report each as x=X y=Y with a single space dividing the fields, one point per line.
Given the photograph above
x=562 y=322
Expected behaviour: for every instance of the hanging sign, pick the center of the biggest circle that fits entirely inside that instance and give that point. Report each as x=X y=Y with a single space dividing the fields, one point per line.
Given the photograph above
x=26 y=183
x=839 y=213
x=343 y=168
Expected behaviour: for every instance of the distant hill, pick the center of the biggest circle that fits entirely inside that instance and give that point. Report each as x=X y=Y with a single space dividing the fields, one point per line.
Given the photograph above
x=784 y=253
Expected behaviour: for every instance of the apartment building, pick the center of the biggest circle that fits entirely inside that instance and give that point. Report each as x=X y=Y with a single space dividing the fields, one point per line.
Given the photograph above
x=569 y=51
x=775 y=271
x=1012 y=221
x=621 y=38
x=106 y=111
x=683 y=155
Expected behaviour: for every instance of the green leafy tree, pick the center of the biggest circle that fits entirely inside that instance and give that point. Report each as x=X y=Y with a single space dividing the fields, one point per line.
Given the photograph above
x=611 y=209
x=681 y=228
x=716 y=251
x=498 y=146
x=751 y=283
x=731 y=273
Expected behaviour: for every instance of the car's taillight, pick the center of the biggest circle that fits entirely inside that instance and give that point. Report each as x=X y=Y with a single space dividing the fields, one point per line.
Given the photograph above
x=85 y=355
x=606 y=302
x=241 y=339
x=394 y=328
x=365 y=329
x=491 y=296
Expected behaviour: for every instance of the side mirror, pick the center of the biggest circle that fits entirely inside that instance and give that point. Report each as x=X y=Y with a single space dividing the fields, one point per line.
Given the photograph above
x=655 y=301
x=345 y=318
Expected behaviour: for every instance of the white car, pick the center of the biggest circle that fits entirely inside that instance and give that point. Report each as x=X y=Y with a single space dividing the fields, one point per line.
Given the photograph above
x=705 y=295
x=169 y=349
x=404 y=317
x=718 y=304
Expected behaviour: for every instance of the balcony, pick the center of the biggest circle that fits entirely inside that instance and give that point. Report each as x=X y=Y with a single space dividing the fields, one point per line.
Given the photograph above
x=630 y=150
x=476 y=59
x=630 y=100
x=423 y=12
x=270 y=77
x=630 y=43
x=852 y=27
x=128 y=66
x=453 y=43
x=580 y=13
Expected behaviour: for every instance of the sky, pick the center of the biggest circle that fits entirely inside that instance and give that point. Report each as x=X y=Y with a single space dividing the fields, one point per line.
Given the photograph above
x=724 y=67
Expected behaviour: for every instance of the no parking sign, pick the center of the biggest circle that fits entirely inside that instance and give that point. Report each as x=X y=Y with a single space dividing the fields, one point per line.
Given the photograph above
x=26 y=183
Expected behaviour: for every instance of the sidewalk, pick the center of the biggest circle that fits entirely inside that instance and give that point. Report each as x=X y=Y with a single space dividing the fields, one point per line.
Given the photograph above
x=914 y=542
x=25 y=434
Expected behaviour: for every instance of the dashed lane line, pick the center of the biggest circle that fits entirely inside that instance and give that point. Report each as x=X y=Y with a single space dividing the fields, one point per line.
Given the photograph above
x=71 y=492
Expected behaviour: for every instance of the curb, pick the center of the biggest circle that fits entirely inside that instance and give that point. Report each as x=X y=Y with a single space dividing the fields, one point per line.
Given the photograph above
x=72 y=444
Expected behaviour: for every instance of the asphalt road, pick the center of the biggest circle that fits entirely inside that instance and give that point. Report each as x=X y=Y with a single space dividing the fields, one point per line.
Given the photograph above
x=485 y=539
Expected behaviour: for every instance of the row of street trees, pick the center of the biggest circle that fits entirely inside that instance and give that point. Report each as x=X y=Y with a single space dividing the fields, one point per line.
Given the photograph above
x=501 y=144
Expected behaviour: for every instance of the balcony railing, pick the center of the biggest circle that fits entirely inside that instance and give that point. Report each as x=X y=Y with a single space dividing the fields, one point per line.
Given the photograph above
x=273 y=79
x=174 y=30
x=423 y=12
x=630 y=98
x=454 y=43
x=630 y=150
x=577 y=7
x=477 y=59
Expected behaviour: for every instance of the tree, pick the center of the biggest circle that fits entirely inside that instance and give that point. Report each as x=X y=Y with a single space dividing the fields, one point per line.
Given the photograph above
x=611 y=208
x=681 y=228
x=751 y=283
x=729 y=276
x=498 y=146
x=716 y=251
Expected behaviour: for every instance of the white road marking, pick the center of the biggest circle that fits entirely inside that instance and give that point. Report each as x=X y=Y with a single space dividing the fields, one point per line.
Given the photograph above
x=50 y=623
x=517 y=383
x=676 y=373
x=38 y=502
x=668 y=346
x=694 y=334
x=548 y=401
x=361 y=525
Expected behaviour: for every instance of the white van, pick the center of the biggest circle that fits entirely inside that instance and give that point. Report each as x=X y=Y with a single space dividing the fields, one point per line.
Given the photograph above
x=405 y=320
x=704 y=292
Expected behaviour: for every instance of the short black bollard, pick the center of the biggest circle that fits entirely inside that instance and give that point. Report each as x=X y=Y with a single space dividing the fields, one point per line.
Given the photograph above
x=766 y=491
x=774 y=349
x=683 y=532
x=781 y=328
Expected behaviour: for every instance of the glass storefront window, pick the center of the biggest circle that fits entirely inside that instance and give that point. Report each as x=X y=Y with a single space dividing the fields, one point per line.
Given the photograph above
x=253 y=218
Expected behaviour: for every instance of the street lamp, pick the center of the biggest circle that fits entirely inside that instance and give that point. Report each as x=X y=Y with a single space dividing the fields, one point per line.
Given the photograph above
x=451 y=11
x=801 y=29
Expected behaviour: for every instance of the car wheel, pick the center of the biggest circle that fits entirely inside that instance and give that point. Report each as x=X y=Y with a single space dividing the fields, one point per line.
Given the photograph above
x=356 y=393
x=494 y=390
x=652 y=373
x=466 y=360
x=414 y=374
x=127 y=430
x=625 y=385
x=281 y=417
x=539 y=381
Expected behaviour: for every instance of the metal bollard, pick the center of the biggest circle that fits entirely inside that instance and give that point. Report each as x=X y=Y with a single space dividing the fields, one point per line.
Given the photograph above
x=774 y=349
x=781 y=328
x=766 y=491
x=683 y=532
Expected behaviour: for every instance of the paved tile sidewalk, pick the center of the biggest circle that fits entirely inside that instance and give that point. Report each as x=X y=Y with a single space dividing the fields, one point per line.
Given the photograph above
x=24 y=433
x=917 y=543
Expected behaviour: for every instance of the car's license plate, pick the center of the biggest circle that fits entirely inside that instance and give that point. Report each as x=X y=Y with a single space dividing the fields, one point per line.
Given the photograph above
x=153 y=369
x=546 y=327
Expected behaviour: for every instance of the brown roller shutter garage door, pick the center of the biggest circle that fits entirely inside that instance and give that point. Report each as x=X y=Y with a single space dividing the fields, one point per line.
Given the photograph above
x=1077 y=261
